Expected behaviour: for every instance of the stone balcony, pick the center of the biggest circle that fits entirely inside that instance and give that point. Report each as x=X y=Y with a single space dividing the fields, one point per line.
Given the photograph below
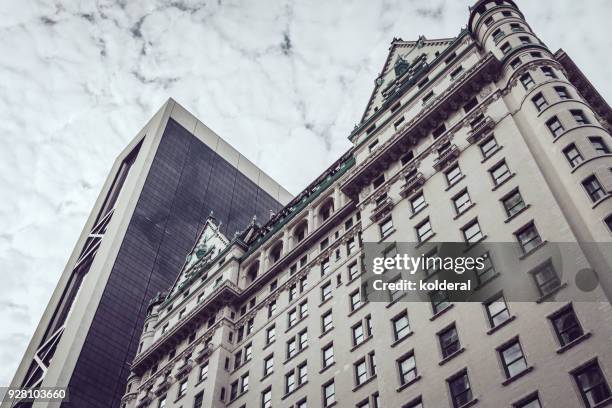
x=446 y=156
x=162 y=384
x=203 y=351
x=184 y=368
x=412 y=184
x=382 y=208
x=480 y=129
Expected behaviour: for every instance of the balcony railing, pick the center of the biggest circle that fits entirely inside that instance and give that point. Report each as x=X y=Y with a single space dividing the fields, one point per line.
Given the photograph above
x=204 y=351
x=480 y=129
x=412 y=184
x=162 y=384
x=381 y=209
x=184 y=368
x=446 y=156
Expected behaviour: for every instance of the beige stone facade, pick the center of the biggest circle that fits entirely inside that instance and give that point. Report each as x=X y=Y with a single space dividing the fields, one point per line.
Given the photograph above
x=275 y=318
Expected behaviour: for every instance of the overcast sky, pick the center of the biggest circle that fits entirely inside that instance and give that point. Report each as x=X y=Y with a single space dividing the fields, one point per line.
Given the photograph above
x=276 y=79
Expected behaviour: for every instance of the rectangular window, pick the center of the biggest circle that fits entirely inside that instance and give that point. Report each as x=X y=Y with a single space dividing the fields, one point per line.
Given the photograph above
x=244 y=383
x=407 y=158
x=579 y=117
x=450 y=58
x=497 y=310
x=350 y=246
x=303 y=339
x=549 y=73
x=526 y=81
x=266 y=398
x=269 y=365
x=417 y=203
x=539 y=101
x=182 y=389
x=566 y=325
x=535 y=54
x=599 y=145
x=462 y=202
x=198 y=400
x=270 y=334
x=358 y=334
x=593 y=188
x=514 y=64
x=424 y=230
x=329 y=394
x=439 y=301
x=498 y=35
x=271 y=308
x=500 y=173
x=428 y=98
x=513 y=203
x=546 y=279
x=326 y=291
x=328 y=355
x=562 y=92
x=439 y=131
x=289 y=382
x=355 y=298
x=353 y=271
x=516 y=27
x=324 y=266
x=532 y=401
x=361 y=371
x=469 y=105
x=489 y=21
x=386 y=228
x=555 y=126
x=525 y=40
x=378 y=181
x=449 y=341
x=203 y=372
x=488 y=147
x=407 y=369
x=327 y=322
x=472 y=232
x=453 y=175
x=572 y=154
x=401 y=326
x=292 y=317
x=371 y=147
x=487 y=272
x=302 y=371
x=592 y=384
x=291 y=348
x=458 y=71
x=528 y=237
x=461 y=392
x=513 y=359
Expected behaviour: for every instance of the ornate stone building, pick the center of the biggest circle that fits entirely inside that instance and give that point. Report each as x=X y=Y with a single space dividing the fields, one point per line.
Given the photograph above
x=484 y=137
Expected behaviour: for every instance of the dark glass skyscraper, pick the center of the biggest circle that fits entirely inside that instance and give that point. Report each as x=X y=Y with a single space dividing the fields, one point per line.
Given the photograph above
x=174 y=175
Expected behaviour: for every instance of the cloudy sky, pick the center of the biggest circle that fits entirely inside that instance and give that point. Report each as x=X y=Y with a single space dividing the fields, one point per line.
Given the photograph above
x=78 y=79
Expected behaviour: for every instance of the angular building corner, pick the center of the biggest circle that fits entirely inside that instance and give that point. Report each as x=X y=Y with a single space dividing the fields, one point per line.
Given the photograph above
x=161 y=190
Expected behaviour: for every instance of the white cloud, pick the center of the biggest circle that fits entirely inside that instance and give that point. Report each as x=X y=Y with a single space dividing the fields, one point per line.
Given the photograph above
x=79 y=79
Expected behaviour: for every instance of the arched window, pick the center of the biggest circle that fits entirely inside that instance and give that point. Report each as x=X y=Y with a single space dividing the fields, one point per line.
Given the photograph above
x=301 y=231
x=252 y=272
x=276 y=252
x=326 y=209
